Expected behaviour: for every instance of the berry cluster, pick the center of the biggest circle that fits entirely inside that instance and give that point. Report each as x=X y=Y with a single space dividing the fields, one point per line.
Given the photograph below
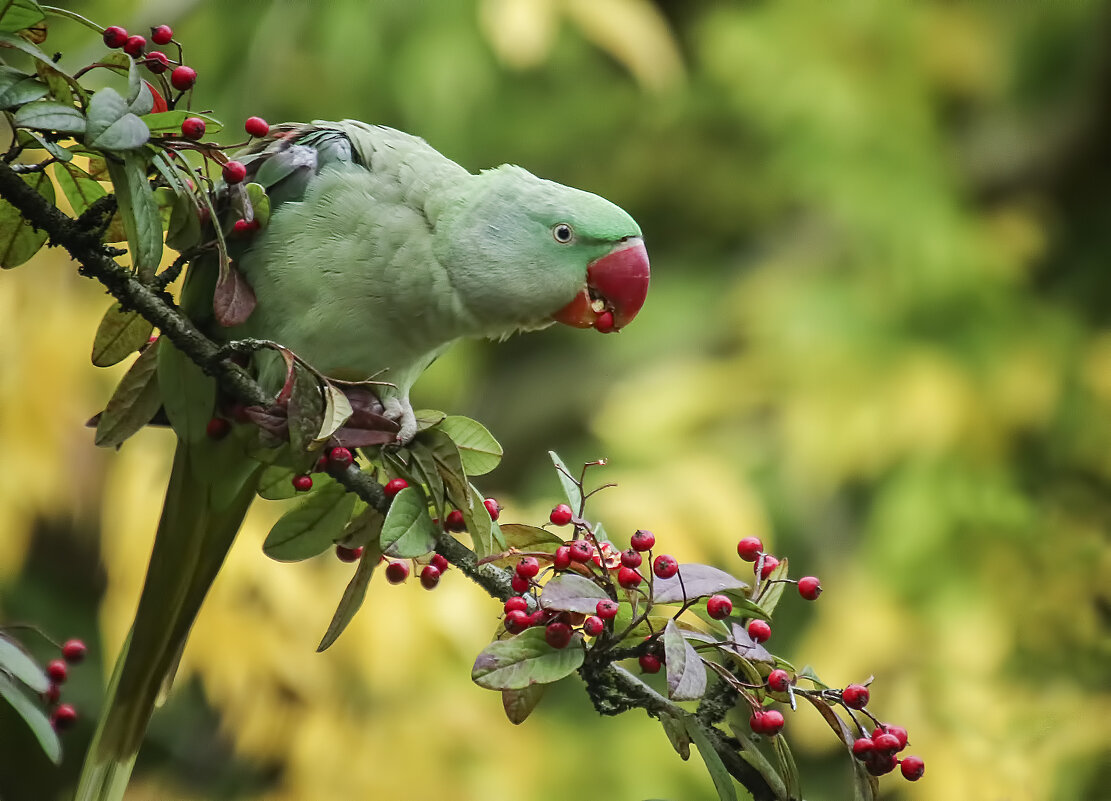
x=62 y=716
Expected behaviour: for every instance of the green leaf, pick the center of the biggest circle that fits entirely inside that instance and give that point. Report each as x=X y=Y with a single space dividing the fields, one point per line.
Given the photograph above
x=188 y=395
x=772 y=589
x=111 y=126
x=427 y=418
x=312 y=527
x=686 y=675
x=33 y=715
x=24 y=91
x=478 y=449
x=184 y=229
x=60 y=87
x=424 y=466
x=19 y=43
x=133 y=404
x=119 y=335
x=18 y=15
x=694 y=581
x=751 y=754
x=526 y=659
x=17 y=663
x=723 y=782
x=306 y=408
x=259 y=208
x=276 y=483
x=518 y=704
x=169 y=122
x=789 y=770
x=449 y=464
x=34 y=140
x=676 y=730
x=49 y=115
x=364 y=529
x=78 y=186
x=570 y=592
x=139 y=212
x=140 y=99
x=570 y=488
x=353 y=596
x=408 y=530
x=18 y=240
x=337 y=410
x=485 y=534
x=530 y=538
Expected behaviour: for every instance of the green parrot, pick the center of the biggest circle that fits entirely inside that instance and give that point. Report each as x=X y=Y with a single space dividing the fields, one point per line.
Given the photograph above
x=379 y=253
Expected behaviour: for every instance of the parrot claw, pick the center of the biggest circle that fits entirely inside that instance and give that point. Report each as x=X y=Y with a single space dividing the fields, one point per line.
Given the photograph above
x=401 y=411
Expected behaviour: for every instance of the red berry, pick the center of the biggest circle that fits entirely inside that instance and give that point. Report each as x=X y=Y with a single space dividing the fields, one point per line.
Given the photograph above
x=244 y=227
x=558 y=635
x=73 y=651
x=516 y=621
x=888 y=728
x=773 y=722
x=157 y=62
x=878 y=763
x=607 y=609
x=886 y=742
x=115 y=36
x=349 y=554
x=340 y=457
x=759 y=630
x=631 y=558
x=429 y=577
x=749 y=548
x=593 y=626
x=394 y=486
x=162 y=34
x=862 y=747
x=183 y=78
x=541 y=616
x=649 y=663
x=440 y=562
x=628 y=578
x=528 y=567
x=770 y=564
x=642 y=540
x=493 y=507
x=397 y=572
x=719 y=607
x=810 y=588
x=604 y=322
x=581 y=551
x=912 y=767
x=57 y=670
x=256 y=126
x=63 y=717
x=192 y=128
x=561 y=515
x=217 y=428
x=454 y=521
x=665 y=566
x=134 y=46
x=562 y=558
x=234 y=172
x=756 y=722
x=302 y=483
x=855 y=696
x=520 y=584
x=779 y=680
x=516 y=602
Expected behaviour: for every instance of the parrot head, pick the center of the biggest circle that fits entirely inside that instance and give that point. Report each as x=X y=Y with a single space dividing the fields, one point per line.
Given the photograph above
x=583 y=257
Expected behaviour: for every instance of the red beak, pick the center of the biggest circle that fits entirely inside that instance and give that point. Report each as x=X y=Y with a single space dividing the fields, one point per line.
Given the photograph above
x=616 y=286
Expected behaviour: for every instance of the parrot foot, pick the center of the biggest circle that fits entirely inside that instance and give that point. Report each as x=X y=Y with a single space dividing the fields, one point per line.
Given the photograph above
x=401 y=411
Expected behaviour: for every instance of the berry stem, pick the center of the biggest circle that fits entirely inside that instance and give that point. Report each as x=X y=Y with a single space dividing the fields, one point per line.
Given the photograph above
x=73 y=15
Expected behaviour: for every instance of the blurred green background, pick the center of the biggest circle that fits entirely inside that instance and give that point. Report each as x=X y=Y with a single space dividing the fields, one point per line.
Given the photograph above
x=878 y=336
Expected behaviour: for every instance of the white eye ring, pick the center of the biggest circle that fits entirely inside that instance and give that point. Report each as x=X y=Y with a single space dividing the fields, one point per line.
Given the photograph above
x=563 y=233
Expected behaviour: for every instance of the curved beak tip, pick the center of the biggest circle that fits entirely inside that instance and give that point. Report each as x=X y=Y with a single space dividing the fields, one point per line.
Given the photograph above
x=616 y=287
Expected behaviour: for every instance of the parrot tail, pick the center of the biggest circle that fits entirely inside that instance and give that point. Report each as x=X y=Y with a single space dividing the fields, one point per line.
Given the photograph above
x=210 y=488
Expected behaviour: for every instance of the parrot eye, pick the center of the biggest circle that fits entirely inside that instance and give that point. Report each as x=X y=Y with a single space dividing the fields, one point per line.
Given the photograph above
x=563 y=233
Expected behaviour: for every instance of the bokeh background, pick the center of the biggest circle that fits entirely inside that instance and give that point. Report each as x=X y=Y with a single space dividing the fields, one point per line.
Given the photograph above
x=878 y=336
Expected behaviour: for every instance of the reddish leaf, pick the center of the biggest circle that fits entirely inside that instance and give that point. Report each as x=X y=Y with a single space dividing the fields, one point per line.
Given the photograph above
x=234 y=299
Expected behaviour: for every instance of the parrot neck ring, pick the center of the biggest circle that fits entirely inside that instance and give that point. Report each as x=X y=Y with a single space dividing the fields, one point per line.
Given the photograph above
x=615 y=289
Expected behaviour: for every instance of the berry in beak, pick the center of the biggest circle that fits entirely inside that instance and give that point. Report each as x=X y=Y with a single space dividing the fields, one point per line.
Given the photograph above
x=616 y=286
